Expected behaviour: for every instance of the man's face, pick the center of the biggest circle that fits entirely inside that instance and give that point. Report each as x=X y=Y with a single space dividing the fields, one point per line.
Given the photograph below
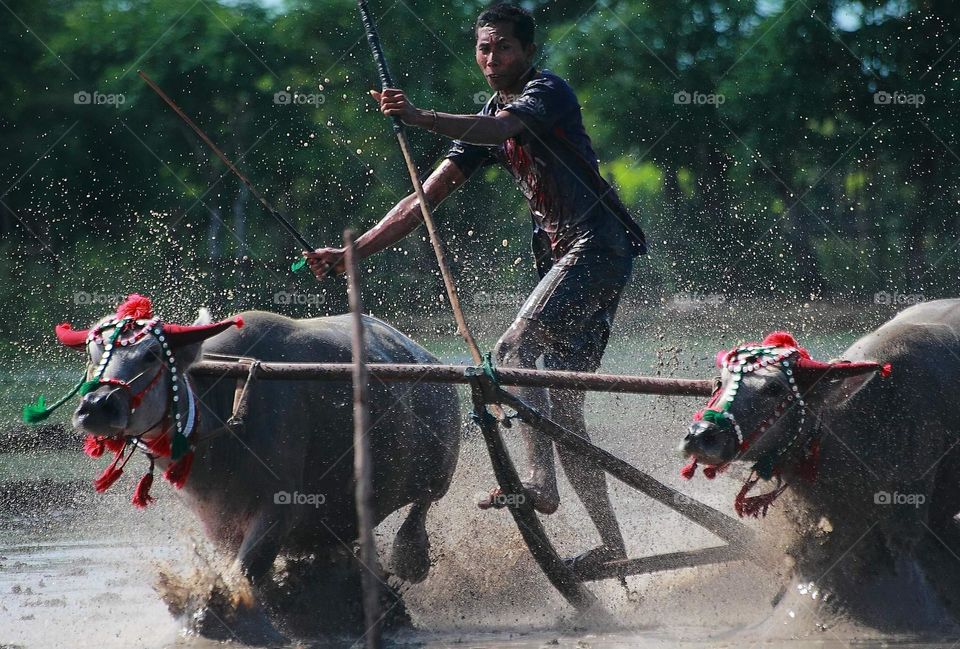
x=501 y=57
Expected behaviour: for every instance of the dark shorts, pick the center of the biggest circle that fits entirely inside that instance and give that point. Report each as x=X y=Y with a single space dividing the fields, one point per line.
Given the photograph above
x=570 y=312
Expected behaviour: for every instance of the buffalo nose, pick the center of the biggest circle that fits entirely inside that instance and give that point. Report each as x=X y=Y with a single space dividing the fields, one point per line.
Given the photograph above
x=699 y=433
x=97 y=402
x=704 y=430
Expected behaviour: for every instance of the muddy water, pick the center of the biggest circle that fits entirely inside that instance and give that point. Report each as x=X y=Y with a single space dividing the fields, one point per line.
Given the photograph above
x=80 y=570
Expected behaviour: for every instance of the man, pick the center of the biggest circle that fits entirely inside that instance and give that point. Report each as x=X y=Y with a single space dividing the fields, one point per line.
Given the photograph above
x=584 y=240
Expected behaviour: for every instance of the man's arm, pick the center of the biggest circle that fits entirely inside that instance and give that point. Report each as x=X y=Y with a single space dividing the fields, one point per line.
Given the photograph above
x=398 y=223
x=475 y=129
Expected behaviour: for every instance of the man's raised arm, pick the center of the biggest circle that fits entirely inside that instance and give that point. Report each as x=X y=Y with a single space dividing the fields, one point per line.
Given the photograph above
x=398 y=223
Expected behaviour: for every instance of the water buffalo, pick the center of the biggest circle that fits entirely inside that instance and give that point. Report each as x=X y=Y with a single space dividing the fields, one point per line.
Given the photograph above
x=870 y=460
x=285 y=483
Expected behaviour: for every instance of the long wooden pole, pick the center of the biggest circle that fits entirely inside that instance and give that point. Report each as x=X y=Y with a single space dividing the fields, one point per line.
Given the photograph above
x=531 y=529
x=287 y=225
x=460 y=374
x=362 y=460
x=386 y=81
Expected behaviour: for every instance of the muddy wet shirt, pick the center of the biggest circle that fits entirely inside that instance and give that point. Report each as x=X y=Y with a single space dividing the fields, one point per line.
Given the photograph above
x=561 y=195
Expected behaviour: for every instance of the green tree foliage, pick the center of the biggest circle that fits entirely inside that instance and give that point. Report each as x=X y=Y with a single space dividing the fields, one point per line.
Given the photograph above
x=794 y=147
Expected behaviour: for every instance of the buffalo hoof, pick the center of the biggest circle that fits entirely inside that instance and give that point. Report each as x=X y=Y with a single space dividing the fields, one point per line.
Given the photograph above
x=219 y=620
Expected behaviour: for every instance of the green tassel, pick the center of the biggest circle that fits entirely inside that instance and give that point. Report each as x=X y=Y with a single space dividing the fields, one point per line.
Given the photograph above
x=764 y=466
x=34 y=413
x=179 y=447
x=298 y=265
x=717 y=418
x=88 y=386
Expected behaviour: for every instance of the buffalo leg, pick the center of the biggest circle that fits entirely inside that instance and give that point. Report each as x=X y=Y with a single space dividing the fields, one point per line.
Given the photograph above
x=411 y=547
x=260 y=547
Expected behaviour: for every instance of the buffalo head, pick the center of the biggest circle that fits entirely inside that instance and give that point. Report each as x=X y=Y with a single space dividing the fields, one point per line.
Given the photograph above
x=758 y=412
x=135 y=370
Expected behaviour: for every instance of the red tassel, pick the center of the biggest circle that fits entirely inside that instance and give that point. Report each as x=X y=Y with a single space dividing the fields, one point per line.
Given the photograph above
x=110 y=475
x=136 y=306
x=886 y=370
x=178 y=472
x=159 y=446
x=141 y=496
x=93 y=446
x=784 y=339
x=238 y=321
x=689 y=470
x=712 y=471
x=114 y=444
x=755 y=506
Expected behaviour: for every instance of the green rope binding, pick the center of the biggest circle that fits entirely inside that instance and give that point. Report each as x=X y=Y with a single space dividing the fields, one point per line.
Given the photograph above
x=34 y=413
x=489 y=369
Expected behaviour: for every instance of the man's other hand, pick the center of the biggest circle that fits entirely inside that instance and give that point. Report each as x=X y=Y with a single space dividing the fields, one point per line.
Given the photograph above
x=324 y=261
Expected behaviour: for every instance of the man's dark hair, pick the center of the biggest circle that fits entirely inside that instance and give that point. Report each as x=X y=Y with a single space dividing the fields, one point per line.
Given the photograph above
x=504 y=12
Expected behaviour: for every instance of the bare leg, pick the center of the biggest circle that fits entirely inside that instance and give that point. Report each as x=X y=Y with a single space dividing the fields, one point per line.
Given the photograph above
x=520 y=346
x=588 y=481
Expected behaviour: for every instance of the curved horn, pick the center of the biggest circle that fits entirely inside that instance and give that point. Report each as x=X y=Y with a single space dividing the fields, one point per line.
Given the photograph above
x=810 y=369
x=180 y=335
x=75 y=338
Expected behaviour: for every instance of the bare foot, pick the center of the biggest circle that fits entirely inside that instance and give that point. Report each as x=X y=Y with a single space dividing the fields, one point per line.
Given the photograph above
x=544 y=501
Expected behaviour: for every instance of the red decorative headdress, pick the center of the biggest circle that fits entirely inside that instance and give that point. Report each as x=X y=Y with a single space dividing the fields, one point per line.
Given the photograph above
x=140 y=310
x=811 y=370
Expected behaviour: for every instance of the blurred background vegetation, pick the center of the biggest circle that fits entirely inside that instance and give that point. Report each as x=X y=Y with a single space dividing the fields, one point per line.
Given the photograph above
x=800 y=149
